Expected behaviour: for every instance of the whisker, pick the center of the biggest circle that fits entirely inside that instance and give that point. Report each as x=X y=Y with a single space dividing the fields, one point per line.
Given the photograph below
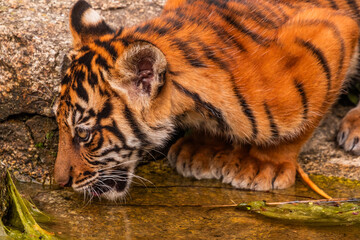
x=117 y=165
x=155 y=150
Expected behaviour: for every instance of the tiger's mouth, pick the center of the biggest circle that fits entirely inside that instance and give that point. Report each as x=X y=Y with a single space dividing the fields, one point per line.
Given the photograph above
x=111 y=185
x=108 y=184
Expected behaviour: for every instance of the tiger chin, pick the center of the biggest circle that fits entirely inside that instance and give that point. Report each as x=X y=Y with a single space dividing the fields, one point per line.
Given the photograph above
x=252 y=80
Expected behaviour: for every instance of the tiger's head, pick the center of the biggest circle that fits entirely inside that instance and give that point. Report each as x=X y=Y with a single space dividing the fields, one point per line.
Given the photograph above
x=113 y=107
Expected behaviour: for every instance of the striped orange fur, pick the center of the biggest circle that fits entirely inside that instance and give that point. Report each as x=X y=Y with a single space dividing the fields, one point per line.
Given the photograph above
x=252 y=78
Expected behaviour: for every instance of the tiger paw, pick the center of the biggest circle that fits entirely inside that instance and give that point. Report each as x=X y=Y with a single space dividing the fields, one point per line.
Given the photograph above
x=250 y=171
x=239 y=166
x=191 y=156
x=349 y=131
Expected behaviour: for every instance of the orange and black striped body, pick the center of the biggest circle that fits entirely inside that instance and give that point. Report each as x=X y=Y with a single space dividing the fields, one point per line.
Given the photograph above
x=253 y=77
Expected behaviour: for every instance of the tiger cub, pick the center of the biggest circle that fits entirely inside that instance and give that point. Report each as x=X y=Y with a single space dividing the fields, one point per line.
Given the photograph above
x=251 y=78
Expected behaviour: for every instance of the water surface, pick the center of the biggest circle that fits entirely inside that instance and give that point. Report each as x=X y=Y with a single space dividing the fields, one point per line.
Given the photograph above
x=174 y=207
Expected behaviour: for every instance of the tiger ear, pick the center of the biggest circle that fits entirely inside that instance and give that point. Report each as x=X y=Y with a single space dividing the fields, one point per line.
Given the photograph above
x=86 y=24
x=139 y=72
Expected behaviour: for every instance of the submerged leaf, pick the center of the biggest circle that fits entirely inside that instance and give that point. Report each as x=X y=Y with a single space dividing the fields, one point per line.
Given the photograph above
x=23 y=217
x=323 y=213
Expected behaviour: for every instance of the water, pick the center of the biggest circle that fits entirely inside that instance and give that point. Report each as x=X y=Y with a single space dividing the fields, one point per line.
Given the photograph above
x=181 y=208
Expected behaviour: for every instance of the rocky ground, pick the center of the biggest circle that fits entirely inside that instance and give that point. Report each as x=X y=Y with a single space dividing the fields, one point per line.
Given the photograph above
x=34 y=42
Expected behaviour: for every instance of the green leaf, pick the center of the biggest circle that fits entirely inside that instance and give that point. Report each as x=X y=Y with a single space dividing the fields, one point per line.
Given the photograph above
x=25 y=214
x=329 y=213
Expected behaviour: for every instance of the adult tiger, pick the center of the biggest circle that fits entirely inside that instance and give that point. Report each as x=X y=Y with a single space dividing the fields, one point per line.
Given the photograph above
x=251 y=78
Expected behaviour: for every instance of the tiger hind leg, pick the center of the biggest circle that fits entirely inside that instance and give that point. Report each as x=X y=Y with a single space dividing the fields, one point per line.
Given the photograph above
x=349 y=131
x=243 y=166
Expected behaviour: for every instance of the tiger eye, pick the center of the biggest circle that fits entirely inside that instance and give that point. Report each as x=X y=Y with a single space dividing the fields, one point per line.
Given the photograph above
x=82 y=133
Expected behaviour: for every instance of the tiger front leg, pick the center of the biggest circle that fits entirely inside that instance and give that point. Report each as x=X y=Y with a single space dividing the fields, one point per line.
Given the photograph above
x=245 y=167
x=265 y=168
x=193 y=155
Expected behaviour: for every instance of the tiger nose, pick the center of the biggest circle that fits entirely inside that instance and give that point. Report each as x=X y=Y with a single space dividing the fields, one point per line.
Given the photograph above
x=62 y=176
x=64 y=182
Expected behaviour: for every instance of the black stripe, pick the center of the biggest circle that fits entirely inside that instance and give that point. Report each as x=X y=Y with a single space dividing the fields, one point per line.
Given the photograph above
x=91 y=112
x=128 y=155
x=107 y=46
x=79 y=108
x=115 y=149
x=276 y=15
x=316 y=52
x=300 y=88
x=85 y=119
x=86 y=173
x=105 y=112
x=354 y=7
x=337 y=33
x=86 y=59
x=73 y=117
x=95 y=162
x=140 y=153
x=246 y=109
x=102 y=62
x=99 y=143
x=333 y=4
x=221 y=33
x=254 y=36
x=208 y=106
x=149 y=28
x=79 y=88
x=220 y=4
x=92 y=162
x=66 y=80
x=174 y=73
x=107 y=160
x=92 y=79
x=273 y=126
x=117 y=133
x=118 y=33
x=76 y=14
x=188 y=53
x=210 y=54
x=255 y=14
x=227 y=38
x=135 y=126
x=143 y=29
x=175 y=24
x=99 y=29
x=161 y=30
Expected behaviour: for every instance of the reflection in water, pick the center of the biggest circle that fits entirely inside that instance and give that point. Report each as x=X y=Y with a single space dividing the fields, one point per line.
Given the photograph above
x=171 y=209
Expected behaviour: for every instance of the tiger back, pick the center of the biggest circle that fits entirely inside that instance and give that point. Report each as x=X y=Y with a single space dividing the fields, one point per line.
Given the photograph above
x=251 y=78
